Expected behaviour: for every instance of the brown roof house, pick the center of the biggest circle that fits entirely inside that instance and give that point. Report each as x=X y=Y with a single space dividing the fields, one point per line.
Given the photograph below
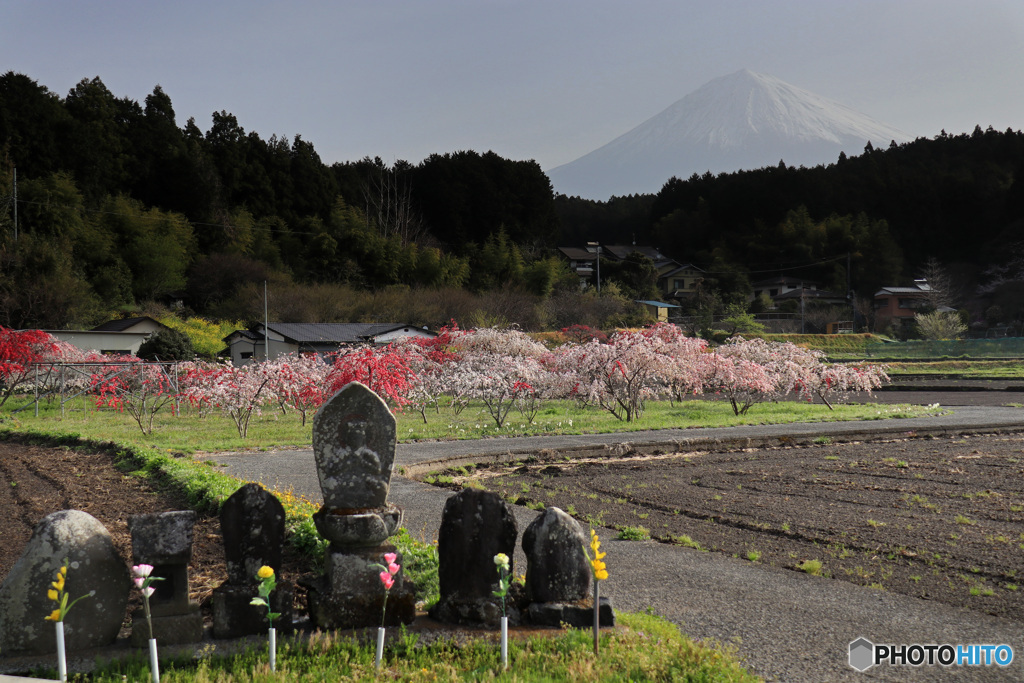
x=897 y=306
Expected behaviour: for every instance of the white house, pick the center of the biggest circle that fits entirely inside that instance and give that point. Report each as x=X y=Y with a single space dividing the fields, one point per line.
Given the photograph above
x=123 y=336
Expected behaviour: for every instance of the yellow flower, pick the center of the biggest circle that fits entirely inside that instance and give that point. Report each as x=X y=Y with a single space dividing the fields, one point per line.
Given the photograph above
x=265 y=572
x=54 y=615
x=59 y=583
x=53 y=595
x=600 y=569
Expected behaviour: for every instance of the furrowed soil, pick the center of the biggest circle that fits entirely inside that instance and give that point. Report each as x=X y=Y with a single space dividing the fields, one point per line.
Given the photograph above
x=934 y=518
x=35 y=481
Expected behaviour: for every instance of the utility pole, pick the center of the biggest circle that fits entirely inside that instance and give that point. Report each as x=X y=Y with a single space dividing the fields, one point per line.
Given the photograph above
x=15 y=203
x=266 y=325
x=849 y=295
x=595 y=248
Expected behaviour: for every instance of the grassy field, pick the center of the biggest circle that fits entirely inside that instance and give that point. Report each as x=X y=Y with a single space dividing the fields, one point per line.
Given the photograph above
x=967 y=369
x=186 y=433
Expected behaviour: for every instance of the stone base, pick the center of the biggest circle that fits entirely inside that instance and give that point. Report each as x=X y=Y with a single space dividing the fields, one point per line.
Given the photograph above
x=575 y=614
x=363 y=529
x=169 y=629
x=474 y=612
x=234 y=616
x=329 y=609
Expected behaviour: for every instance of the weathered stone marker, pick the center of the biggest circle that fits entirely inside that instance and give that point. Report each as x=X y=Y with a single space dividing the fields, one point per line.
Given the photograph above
x=164 y=540
x=354 y=440
x=559 y=583
x=475 y=526
x=94 y=568
x=252 y=525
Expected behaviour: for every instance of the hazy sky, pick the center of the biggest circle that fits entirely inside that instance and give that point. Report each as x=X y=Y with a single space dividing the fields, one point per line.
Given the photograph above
x=547 y=79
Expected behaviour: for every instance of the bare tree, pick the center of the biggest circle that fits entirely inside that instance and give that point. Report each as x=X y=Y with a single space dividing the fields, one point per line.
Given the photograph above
x=389 y=205
x=944 y=289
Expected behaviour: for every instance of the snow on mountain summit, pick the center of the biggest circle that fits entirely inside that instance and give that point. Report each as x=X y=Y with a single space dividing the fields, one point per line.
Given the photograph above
x=741 y=121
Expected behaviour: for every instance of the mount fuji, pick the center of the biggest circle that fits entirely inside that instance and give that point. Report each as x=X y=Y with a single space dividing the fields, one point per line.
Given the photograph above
x=745 y=120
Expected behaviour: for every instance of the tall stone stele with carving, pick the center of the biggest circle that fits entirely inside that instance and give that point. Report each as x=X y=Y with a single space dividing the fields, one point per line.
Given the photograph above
x=354 y=441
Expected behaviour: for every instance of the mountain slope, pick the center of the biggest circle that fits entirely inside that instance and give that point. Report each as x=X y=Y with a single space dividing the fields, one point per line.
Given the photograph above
x=742 y=121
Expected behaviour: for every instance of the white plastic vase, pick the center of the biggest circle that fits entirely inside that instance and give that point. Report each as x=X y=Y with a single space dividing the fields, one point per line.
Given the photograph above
x=154 y=661
x=504 y=642
x=273 y=649
x=380 y=646
x=62 y=662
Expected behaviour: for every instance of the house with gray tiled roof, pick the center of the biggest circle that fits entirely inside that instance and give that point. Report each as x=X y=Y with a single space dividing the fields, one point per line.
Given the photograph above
x=320 y=338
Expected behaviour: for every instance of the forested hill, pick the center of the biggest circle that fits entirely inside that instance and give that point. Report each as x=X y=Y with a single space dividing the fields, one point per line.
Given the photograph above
x=120 y=204
x=958 y=200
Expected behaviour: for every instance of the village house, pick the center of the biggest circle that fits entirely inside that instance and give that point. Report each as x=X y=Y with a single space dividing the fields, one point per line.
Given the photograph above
x=115 y=337
x=246 y=346
x=898 y=306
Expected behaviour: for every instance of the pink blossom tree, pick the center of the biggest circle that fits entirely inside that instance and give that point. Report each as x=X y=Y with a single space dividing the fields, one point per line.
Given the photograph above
x=300 y=382
x=838 y=380
x=237 y=391
x=138 y=388
x=742 y=381
x=619 y=376
x=501 y=368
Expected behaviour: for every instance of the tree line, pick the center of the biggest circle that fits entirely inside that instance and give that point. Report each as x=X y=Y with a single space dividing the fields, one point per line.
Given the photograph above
x=119 y=205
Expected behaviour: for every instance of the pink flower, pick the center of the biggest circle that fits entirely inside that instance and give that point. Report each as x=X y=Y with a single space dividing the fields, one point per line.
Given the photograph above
x=393 y=568
x=139 y=581
x=390 y=557
x=148 y=591
x=387 y=580
x=142 y=570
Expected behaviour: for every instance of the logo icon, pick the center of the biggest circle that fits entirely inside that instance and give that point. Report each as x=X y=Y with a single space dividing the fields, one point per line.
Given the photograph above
x=862 y=654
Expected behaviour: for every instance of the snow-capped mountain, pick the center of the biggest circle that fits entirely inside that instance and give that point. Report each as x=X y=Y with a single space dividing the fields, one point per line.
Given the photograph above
x=745 y=120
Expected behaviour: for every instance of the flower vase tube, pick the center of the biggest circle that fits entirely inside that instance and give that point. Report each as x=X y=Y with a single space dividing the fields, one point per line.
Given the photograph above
x=62 y=662
x=273 y=649
x=380 y=646
x=154 y=662
x=504 y=642
x=597 y=608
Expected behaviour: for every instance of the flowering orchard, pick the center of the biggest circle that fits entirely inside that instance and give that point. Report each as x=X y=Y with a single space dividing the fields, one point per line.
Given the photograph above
x=497 y=370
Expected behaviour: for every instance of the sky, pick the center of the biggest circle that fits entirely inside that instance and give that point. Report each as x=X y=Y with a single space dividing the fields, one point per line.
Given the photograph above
x=548 y=80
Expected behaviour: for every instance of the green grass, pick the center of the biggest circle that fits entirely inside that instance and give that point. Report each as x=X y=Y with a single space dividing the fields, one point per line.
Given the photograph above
x=1008 y=369
x=634 y=533
x=187 y=433
x=643 y=648
x=810 y=566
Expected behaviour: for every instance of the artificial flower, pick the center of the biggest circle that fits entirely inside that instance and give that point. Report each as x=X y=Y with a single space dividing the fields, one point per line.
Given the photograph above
x=387 y=579
x=142 y=570
x=265 y=572
x=54 y=615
